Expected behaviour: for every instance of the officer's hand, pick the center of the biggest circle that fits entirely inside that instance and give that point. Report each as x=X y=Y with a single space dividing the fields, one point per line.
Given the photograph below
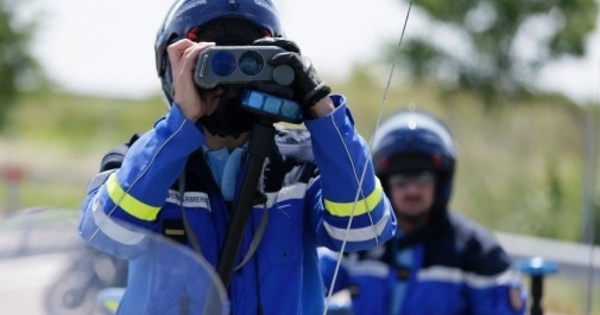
x=309 y=90
x=183 y=55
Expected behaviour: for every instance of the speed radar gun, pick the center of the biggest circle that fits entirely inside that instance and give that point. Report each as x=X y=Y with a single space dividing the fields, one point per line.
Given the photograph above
x=223 y=65
x=245 y=64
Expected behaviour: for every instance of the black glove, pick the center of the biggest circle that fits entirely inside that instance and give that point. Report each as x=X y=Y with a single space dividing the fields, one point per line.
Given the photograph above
x=307 y=87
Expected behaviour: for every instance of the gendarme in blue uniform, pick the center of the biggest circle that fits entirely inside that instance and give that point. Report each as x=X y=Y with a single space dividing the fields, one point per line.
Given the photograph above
x=309 y=185
x=449 y=264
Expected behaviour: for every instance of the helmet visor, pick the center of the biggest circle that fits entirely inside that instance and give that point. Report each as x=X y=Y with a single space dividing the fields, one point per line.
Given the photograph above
x=228 y=32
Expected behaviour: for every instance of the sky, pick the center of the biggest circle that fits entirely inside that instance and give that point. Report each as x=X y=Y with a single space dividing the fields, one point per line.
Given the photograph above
x=106 y=47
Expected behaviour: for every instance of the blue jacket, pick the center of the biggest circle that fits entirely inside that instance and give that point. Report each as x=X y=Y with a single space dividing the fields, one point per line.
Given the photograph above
x=457 y=268
x=308 y=186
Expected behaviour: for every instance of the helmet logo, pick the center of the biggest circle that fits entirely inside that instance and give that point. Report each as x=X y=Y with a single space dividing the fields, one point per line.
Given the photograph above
x=190 y=6
x=232 y=5
x=412 y=124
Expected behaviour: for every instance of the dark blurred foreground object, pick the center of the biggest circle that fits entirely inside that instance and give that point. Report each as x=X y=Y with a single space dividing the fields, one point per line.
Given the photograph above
x=46 y=268
x=67 y=273
x=75 y=290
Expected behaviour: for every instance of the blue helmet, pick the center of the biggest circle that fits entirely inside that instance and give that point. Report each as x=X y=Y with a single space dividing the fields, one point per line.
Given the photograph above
x=186 y=16
x=411 y=140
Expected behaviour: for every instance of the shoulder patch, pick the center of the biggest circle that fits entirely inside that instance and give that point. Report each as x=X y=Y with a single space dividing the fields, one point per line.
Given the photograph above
x=515 y=297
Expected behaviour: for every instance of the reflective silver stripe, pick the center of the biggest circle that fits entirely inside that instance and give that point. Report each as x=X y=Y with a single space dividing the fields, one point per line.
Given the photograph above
x=455 y=275
x=295 y=191
x=439 y=273
x=326 y=252
x=111 y=229
x=99 y=179
x=360 y=234
x=371 y=268
x=478 y=281
x=312 y=181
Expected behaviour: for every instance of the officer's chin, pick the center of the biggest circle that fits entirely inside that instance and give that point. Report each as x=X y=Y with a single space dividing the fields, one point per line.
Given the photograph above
x=212 y=103
x=412 y=211
x=415 y=219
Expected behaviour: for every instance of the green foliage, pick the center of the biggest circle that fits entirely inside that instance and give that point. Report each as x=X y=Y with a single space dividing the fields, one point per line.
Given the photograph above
x=488 y=57
x=59 y=139
x=16 y=63
x=78 y=122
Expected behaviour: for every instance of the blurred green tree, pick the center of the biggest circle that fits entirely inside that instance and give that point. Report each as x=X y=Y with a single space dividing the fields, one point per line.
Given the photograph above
x=495 y=47
x=18 y=68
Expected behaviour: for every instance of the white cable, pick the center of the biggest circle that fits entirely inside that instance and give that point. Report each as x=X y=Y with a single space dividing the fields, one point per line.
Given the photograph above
x=364 y=171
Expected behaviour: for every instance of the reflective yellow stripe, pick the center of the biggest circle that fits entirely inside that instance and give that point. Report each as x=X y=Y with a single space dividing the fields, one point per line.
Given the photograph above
x=111 y=306
x=344 y=209
x=128 y=203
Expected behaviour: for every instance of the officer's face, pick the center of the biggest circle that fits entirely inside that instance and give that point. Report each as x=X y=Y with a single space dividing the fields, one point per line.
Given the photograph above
x=412 y=194
x=211 y=98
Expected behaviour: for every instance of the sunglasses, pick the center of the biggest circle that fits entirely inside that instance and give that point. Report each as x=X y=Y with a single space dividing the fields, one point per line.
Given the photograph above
x=421 y=179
